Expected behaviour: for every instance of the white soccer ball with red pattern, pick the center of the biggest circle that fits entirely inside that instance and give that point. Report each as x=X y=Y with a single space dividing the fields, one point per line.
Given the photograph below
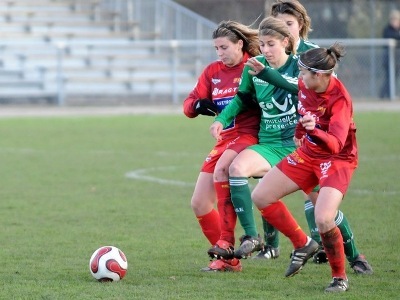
x=108 y=263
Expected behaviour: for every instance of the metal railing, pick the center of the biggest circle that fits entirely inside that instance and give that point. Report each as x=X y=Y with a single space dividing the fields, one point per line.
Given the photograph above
x=176 y=65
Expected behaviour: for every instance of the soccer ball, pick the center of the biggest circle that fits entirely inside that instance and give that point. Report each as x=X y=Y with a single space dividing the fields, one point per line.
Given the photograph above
x=108 y=263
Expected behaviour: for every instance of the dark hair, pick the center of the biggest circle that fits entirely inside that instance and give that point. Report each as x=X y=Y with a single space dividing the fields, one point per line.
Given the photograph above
x=296 y=9
x=322 y=60
x=278 y=29
x=236 y=31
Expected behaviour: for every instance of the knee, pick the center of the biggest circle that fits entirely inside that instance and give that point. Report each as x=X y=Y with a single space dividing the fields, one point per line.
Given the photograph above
x=324 y=222
x=261 y=199
x=236 y=169
x=201 y=206
x=257 y=198
x=221 y=174
x=197 y=206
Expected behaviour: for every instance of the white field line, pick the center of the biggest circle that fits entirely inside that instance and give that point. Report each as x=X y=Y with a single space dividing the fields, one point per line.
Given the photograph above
x=140 y=174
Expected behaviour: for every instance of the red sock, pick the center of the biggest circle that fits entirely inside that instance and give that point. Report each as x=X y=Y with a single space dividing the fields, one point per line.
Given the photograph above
x=280 y=217
x=226 y=211
x=210 y=225
x=332 y=241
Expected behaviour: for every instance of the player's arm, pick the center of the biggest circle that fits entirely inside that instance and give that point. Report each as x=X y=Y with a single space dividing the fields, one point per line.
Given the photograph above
x=335 y=138
x=199 y=100
x=266 y=73
x=230 y=111
x=275 y=78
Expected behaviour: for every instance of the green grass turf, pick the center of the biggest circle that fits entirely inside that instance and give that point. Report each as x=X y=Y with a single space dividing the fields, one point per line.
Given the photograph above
x=64 y=193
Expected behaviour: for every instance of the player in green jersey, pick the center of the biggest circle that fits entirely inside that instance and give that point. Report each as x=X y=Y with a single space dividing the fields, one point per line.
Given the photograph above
x=278 y=120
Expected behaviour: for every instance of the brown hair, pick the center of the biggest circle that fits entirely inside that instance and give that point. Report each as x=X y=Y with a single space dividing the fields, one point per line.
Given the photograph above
x=236 y=31
x=322 y=60
x=278 y=29
x=296 y=9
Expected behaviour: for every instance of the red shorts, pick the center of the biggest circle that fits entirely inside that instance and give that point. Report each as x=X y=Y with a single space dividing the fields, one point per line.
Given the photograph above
x=309 y=172
x=238 y=144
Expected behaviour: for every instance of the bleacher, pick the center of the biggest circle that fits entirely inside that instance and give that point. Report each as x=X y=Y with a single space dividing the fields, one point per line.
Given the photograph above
x=60 y=51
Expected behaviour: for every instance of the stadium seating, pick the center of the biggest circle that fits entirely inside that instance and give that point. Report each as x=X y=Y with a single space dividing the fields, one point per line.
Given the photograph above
x=55 y=49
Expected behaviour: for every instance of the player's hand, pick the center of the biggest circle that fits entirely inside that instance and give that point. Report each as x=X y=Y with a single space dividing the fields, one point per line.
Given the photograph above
x=255 y=65
x=308 y=122
x=248 y=100
x=216 y=129
x=298 y=142
x=206 y=107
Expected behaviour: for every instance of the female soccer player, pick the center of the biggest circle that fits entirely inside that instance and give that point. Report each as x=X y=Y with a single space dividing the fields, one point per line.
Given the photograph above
x=326 y=156
x=278 y=120
x=217 y=85
x=294 y=14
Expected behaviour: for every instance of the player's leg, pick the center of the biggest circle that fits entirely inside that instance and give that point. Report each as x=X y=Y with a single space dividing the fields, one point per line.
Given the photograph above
x=357 y=260
x=271 y=238
x=224 y=247
x=202 y=203
x=328 y=202
x=247 y=163
x=275 y=185
x=311 y=198
x=271 y=235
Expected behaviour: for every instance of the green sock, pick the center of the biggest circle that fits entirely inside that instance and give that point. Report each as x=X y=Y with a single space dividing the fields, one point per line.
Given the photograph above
x=241 y=199
x=310 y=217
x=271 y=235
x=350 y=248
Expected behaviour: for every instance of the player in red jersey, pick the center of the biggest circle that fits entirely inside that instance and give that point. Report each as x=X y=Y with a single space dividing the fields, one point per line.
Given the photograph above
x=326 y=156
x=216 y=86
x=299 y=23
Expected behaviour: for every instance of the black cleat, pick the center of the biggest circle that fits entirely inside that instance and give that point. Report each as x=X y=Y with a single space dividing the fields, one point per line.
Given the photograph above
x=248 y=245
x=337 y=285
x=361 y=266
x=300 y=257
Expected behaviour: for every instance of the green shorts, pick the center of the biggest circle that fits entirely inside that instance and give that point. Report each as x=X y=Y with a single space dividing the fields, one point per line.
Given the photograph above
x=272 y=154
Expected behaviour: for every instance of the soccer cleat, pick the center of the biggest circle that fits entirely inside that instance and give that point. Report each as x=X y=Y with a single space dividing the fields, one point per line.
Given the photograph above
x=248 y=245
x=361 y=266
x=300 y=257
x=337 y=285
x=268 y=252
x=223 y=265
x=222 y=249
x=320 y=257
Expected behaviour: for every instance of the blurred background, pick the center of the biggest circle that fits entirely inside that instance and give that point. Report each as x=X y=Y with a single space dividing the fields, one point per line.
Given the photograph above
x=127 y=52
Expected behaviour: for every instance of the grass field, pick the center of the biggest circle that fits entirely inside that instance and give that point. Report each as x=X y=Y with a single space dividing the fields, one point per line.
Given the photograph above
x=70 y=185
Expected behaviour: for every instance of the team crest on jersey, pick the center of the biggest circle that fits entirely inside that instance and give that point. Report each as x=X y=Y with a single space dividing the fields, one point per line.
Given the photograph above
x=324 y=168
x=286 y=108
x=237 y=80
x=215 y=80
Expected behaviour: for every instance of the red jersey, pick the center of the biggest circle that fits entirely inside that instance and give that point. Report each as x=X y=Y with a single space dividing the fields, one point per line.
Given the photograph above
x=334 y=133
x=220 y=83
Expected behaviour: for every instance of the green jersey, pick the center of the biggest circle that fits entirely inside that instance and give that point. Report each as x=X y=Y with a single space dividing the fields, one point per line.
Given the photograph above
x=278 y=106
x=304 y=46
